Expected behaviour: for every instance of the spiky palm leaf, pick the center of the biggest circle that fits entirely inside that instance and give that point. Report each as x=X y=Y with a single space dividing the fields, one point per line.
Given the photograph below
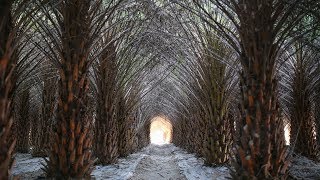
x=299 y=76
x=218 y=84
x=112 y=76
x=14 y=21
x=106 y=129
x=257 y=31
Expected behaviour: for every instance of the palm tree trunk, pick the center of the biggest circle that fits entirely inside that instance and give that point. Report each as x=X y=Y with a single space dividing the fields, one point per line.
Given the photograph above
x=70 y=154
x=143 y=135
x=106 y=135
x=44 y=125
x=106 y=126
x=261 y=151
x=126 y=137
x=22 y=123
x=317 y=114
x=218 y=123
x=6 y=88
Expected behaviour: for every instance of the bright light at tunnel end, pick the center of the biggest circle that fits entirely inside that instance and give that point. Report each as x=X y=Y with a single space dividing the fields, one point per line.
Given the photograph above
x=157 y=137
x=160 y=131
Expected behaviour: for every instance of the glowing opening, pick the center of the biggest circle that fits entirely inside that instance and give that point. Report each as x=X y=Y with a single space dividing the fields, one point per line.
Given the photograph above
x=160 y=131
x=287 y=134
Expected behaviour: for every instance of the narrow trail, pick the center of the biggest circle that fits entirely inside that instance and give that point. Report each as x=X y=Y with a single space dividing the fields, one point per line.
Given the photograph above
x=159 y=163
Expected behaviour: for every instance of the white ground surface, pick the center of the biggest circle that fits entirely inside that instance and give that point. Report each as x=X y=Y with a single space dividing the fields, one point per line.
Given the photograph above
x=152 y=163
x=158 y=163
x=304 y=168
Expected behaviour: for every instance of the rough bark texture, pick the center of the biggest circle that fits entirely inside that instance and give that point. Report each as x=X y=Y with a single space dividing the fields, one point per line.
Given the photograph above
x=143 y=136
x=7 y=66
x=22 y=123
x=199 y=135
x=44 y=125
x=317 y=113
x=207 y=129
x=106 y=125
x=217 y=149
x=261 y=152
x=218 y=125
x=70 y=154
x=126 y=136
x=318 y=126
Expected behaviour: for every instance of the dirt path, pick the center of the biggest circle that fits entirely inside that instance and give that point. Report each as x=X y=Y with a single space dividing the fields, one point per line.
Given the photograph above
x=151 y=163
x=159 y=163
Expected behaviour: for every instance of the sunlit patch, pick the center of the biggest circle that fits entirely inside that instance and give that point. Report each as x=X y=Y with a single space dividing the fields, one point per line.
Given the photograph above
x=287 y=130
x=160 y=131
x=157 y=137
x=287 y=134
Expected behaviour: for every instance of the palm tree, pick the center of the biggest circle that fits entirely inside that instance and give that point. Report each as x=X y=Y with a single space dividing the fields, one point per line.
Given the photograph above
x=22 y=122
x=7 y=65
x=44 y=123
x=112 y=73
x=218 y=88
x=13 y=23
x=208 y=83
x=70 y=32
x=27 y=110
x=106 y=129
x=300 y=76
x=70 y=154
x=256 y=30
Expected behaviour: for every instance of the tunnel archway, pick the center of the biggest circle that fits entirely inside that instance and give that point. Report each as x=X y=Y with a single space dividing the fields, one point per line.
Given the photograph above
x=160 y=131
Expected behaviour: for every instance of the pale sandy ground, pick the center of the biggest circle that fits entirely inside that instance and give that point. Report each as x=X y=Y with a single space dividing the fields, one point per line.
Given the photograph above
x=151 y=163
x=304 y=168
x=159 y=163
x=166 y=162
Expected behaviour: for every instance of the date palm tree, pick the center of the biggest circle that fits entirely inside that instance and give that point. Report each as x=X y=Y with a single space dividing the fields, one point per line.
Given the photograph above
x=70 y=31
x=114 y=69
x=43 y=125
x=257 y=30
x=300 y=76
x=22 y=122
x=14 y=21
x=218 y=87
x=106 y=129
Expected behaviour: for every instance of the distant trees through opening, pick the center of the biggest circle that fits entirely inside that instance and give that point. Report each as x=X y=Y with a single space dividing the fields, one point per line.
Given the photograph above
x=160 y=131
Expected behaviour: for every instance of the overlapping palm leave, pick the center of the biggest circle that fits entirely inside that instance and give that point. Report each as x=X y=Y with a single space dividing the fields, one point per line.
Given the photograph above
x=299 y=83
x=259 y=31
x=86 y=77
x=18 y=60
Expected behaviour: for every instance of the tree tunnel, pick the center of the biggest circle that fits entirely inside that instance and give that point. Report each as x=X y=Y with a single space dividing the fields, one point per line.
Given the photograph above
x=94 y=81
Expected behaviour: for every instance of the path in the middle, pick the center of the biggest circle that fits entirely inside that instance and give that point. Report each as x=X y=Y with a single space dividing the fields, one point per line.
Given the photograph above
x=159 y=163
